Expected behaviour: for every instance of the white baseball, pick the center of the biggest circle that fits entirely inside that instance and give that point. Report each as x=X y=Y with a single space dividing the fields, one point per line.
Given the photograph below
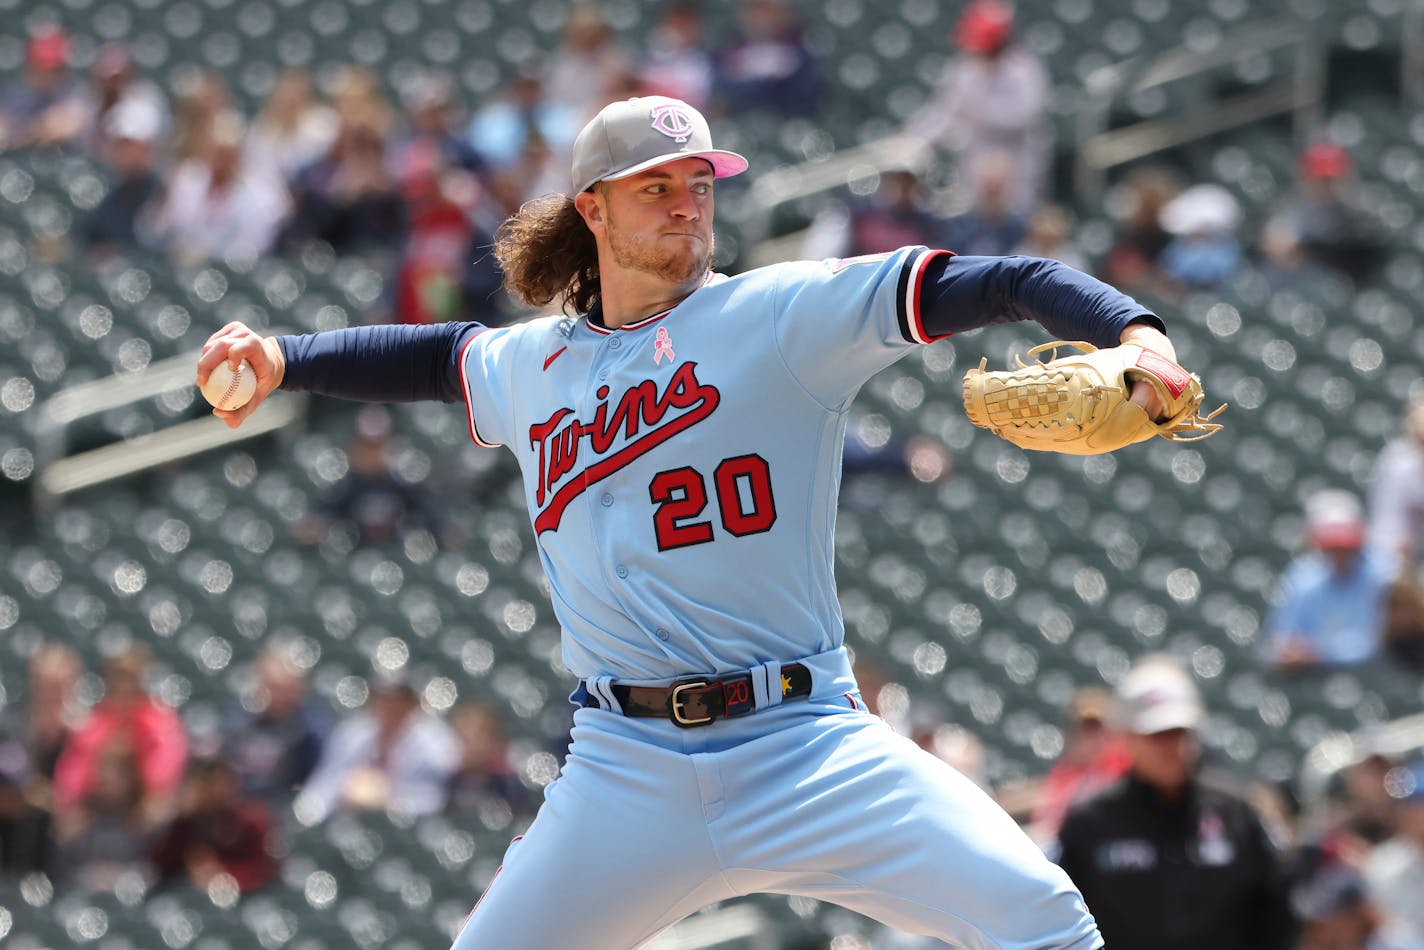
x=229 y=389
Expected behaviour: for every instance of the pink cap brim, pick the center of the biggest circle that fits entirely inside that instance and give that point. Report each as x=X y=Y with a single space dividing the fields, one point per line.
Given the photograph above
x=724 y=164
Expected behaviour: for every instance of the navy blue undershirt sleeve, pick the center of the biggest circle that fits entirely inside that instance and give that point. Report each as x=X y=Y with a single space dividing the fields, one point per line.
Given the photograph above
x=385 y=363
x=965 y=293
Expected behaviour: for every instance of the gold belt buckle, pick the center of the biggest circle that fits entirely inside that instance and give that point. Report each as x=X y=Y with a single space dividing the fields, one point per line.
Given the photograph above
x=675 y=705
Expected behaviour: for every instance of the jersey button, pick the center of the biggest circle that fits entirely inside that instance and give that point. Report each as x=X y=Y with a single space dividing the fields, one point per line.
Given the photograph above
x=603 y=374
x=662 y=633
x=607 y=500
x=615 y=343
x=621 y=571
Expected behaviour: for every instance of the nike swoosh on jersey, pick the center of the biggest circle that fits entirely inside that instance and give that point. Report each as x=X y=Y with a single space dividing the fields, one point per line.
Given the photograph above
x=553 y=356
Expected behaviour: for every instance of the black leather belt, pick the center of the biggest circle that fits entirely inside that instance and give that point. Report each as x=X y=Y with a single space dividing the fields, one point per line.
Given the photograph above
x=700 y=702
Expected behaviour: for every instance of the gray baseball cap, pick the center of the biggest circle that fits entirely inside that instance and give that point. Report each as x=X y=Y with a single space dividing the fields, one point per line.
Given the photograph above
x=633 y=135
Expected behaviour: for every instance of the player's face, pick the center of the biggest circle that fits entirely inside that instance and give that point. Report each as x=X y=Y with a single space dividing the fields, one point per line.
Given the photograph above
x=659 y=222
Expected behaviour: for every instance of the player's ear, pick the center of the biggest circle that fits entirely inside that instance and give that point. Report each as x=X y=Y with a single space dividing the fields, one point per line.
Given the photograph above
x=591 y=208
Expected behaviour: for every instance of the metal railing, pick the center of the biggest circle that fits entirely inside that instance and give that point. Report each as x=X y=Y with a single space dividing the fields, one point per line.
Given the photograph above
x=59 y=473
x=1098 y=148
x=1300 y=93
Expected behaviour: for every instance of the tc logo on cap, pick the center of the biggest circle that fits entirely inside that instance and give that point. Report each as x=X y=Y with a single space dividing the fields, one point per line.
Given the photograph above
x=673 y=121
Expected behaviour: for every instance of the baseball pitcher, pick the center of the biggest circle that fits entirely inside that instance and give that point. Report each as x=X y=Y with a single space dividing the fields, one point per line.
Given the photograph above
x=680 y=437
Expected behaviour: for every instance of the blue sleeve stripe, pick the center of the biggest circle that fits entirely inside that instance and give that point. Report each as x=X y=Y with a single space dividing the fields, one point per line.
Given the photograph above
x=469 y=401
x=911 y=314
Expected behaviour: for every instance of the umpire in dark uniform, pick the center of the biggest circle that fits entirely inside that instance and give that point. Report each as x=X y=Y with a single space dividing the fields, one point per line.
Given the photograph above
x=1166 y=858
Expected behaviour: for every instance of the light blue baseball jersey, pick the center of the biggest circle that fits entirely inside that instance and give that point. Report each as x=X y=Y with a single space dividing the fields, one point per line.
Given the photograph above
x=682 y=472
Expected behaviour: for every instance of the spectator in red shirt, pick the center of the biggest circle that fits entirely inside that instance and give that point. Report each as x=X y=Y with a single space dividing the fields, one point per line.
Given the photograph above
x=1094 y=756
x=217 y=832
x=127 y=715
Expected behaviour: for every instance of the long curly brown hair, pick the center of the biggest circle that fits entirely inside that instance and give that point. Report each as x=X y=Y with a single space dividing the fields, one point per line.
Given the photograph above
x=547 y=252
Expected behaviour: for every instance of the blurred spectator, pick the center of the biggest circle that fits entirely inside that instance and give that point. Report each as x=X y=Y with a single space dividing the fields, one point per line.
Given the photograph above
x=1330 y=900
x=485 y=783
x=1131 y=262
x=44 y=107
x=1330 y=607
x=991 y=226
x=1285 y=265
x=1204 y=251
x=677 y=63
x=1397 y=497
x=115 y=85
x=429 y=108
x=1049 y=235
x=220 y=205
x=1140 y=846
x=106 y=833
x=503 y=129
x=445 y=272
x=899 y=214
x=1395 y=870
x=131 y=134
x=31 y=739
x=217 y=832
x=1368 y=812
x=765 y=66
x=1094 y=756
x=126 y=716
x=588 y=62
x=992 y=99
x=294 y=128
x=348 y=197
x=370 y=502
x=358 y=99
x=275 y=741
x=1403 y=634
x=1326 y=216
x=202 y=98
x=390 y=756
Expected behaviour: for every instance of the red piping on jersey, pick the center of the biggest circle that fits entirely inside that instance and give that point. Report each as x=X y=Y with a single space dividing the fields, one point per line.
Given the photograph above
x=604 y=331
x=469 y=402
x=912 y=306
x=488 y=886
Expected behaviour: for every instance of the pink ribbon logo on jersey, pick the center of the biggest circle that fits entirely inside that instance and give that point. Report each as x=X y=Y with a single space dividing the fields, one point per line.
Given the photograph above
x=662 y=346
x=674 y=122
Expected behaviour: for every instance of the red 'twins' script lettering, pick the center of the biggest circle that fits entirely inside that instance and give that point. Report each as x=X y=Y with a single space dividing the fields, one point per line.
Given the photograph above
x=641 y=416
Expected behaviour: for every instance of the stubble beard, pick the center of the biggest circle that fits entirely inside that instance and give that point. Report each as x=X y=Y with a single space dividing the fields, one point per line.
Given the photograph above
x=672 y=265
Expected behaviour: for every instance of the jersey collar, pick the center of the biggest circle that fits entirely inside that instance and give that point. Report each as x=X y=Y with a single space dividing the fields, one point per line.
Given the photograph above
x=594 y=318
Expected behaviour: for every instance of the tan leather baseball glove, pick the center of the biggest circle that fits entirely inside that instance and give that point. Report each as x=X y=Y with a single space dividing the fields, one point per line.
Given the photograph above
x=1079 y=403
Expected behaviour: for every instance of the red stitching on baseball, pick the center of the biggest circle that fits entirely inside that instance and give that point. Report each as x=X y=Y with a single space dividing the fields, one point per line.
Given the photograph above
x=232 y=386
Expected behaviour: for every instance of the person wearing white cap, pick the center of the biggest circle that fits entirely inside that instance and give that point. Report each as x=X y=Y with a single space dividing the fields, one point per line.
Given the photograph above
x=1169 y=858
x=1329 y=610
x=131 y=132
x=680 y=436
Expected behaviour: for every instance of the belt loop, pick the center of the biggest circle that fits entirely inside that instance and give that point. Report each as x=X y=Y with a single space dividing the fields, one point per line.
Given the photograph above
x=766 y=680
x=602 y=687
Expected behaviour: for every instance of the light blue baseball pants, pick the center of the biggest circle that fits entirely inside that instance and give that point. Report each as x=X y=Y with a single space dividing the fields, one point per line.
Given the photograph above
x=649 y=822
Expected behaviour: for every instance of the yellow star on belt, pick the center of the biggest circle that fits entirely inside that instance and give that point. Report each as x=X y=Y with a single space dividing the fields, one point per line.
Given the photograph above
x=785 y=684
